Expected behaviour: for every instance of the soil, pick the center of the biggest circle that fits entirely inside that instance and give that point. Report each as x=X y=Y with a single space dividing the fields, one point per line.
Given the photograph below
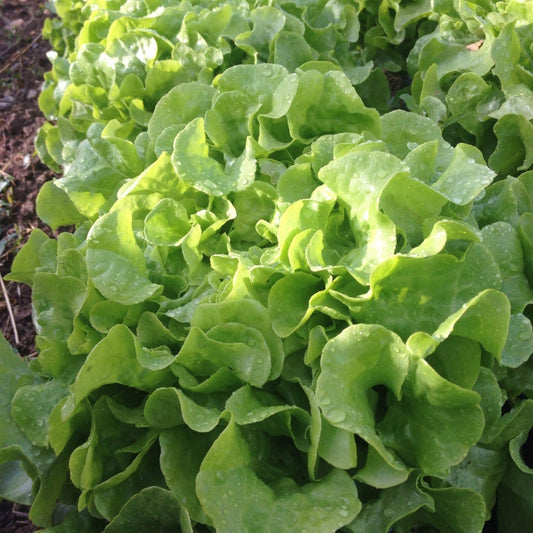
x=14 y=518
x=23 y=63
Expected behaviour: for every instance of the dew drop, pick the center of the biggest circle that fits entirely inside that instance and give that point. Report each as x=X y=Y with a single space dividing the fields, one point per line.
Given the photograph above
x=336 y=416
x=389 y=512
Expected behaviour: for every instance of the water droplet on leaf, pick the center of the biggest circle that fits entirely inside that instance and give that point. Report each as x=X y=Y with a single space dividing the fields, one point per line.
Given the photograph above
x=336 y=416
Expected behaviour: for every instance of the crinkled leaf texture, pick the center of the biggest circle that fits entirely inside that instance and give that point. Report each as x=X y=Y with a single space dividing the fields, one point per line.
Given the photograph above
x=287 y=304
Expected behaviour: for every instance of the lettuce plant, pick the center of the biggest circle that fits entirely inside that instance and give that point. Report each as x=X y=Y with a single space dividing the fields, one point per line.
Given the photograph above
x=285 y=306
x=472 y=73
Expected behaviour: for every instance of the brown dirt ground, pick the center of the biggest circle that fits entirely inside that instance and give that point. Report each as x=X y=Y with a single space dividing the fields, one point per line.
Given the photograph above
x=22 y=65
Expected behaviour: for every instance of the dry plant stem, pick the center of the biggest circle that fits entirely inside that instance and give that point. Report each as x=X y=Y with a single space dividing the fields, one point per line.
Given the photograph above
x=18 y=55
x=10 y=311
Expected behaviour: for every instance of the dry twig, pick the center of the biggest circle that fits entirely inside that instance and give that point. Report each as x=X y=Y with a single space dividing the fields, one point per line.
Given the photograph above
x=18 y=55
x=10 y=312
